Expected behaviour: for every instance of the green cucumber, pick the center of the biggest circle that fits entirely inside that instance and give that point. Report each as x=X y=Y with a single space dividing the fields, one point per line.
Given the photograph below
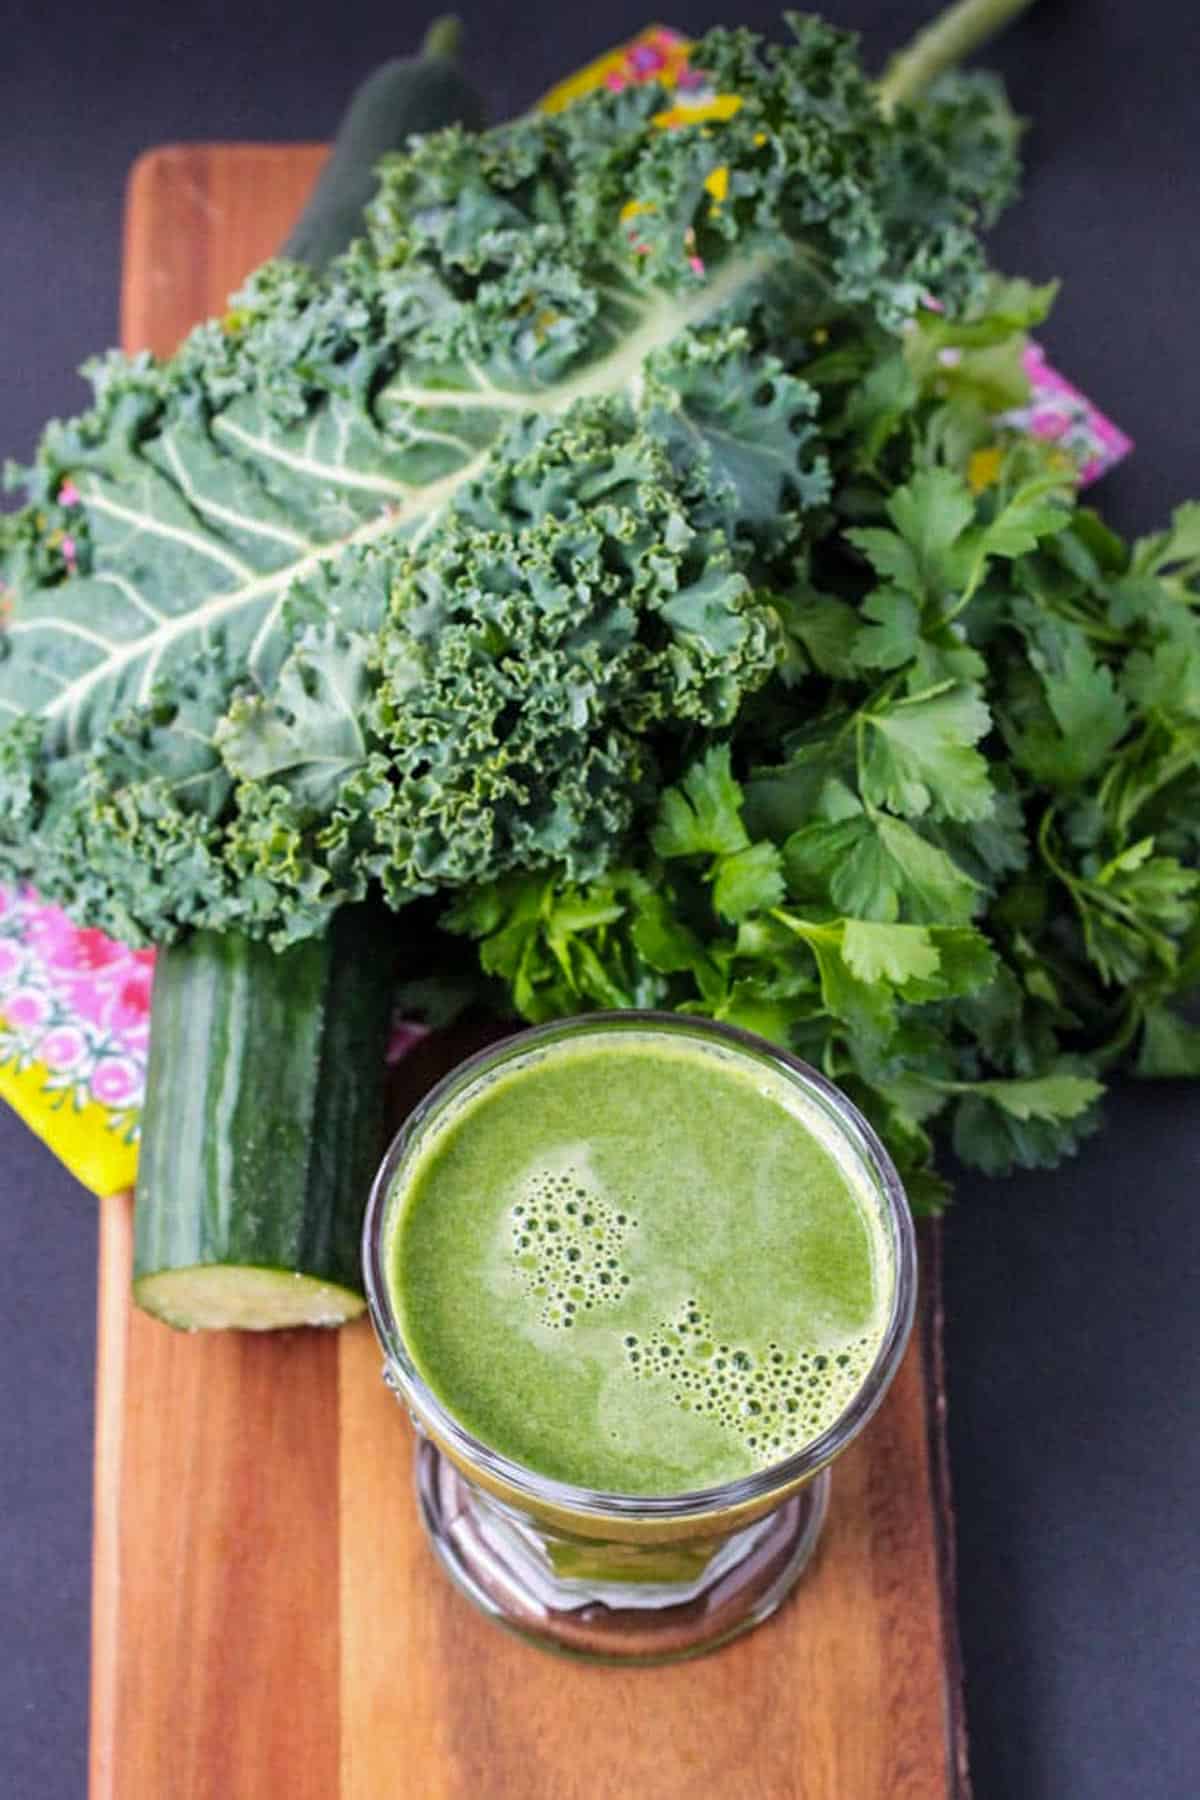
x=414 y=93
x=262 y=1126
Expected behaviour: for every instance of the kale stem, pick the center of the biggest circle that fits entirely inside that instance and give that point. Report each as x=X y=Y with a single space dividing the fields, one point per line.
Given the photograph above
x=953 y=35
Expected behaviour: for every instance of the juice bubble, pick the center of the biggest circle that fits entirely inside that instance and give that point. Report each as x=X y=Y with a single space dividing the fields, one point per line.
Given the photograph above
x=802 y=1395
x=573 y=1264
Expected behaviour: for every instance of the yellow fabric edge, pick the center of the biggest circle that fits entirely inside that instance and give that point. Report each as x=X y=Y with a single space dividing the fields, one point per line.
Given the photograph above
x=79 y=1137
x=594 y=74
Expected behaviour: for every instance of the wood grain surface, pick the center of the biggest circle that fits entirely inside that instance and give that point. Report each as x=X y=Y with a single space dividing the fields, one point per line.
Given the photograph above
x=268 y=1623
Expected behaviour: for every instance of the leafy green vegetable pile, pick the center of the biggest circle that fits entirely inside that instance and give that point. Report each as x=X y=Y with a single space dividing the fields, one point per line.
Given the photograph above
x=616 y=546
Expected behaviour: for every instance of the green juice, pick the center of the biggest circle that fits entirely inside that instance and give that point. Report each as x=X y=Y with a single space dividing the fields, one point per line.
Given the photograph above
x=639 y=1262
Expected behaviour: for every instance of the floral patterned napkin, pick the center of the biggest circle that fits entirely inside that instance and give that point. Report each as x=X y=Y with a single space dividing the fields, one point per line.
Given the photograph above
x=74 y=1032
x=75 y=1006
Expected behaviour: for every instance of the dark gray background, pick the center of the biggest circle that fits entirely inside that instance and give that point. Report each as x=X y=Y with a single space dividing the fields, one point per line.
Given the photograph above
x=1071 y=1297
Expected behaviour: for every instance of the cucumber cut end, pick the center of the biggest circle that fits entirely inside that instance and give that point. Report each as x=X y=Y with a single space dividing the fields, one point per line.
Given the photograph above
x=220 y=1297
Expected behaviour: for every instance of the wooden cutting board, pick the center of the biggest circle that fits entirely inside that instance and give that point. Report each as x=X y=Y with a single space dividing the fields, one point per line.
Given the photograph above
x=268 y=1623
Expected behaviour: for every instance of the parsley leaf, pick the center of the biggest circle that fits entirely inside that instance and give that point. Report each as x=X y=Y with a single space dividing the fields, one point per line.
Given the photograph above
x=1001 y=1125
x=702 y=816
x=749 y=880
x=919 y=755
x=872 y=866
x=1170 y=1044
x=1065 y=727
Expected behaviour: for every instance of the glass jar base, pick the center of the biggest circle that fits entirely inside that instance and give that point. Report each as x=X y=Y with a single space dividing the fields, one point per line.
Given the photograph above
x=513 y=1573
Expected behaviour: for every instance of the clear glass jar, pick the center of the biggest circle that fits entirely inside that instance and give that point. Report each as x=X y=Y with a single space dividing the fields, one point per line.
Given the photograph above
x=616 y=1577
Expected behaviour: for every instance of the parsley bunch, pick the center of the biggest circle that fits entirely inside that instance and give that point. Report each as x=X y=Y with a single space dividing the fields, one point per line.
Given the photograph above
x=949 y=854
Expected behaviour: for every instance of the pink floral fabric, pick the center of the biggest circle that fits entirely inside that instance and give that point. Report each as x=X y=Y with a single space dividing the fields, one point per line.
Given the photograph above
x=75 y=1003
x=1059 y=413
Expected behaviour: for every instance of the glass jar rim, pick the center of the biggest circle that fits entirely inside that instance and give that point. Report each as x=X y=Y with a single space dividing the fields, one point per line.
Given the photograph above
x=547 y=1491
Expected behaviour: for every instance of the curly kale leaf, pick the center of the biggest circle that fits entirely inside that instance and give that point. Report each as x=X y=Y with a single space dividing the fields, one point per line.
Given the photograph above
x=218 y=585
x=565 y=626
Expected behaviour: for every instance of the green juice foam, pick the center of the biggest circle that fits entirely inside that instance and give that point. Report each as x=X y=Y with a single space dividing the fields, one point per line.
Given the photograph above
x=640 y=1262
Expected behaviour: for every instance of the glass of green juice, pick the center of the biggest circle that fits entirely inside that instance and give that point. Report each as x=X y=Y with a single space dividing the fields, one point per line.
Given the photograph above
x=638 y=1278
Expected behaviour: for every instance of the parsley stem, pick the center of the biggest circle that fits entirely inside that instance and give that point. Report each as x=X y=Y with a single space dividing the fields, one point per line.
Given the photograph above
x=1133 y=1014
x=942 y=45
x=1048 y=857
x=1055 y=867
